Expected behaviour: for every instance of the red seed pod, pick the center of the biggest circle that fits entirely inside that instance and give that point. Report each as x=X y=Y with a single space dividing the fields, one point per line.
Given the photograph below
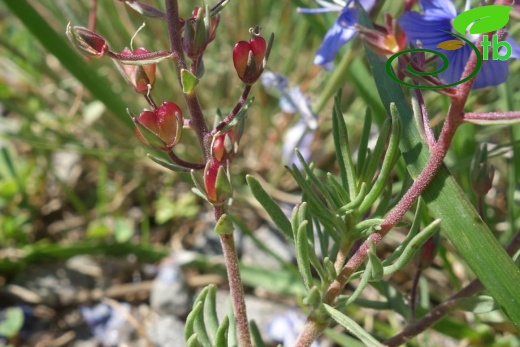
x=87 y=42
x=216 y=182
x=161 y=128
x=139 y=76
x=224 y=146
x=249 y=58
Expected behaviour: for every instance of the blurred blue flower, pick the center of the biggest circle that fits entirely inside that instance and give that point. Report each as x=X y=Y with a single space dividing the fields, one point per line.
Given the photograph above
x=106 y=323
x=430 y=29
x=342 y=31
x=293 y=101
x=286 y=327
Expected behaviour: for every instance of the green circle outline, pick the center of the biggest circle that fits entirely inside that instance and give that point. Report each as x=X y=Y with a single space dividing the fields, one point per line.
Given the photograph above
x=478 y=65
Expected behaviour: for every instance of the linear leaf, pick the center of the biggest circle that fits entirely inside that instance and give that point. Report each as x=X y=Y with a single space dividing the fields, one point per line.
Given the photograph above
x=353 y=327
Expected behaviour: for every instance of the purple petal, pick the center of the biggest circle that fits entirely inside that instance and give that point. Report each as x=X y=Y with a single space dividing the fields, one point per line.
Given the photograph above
x=341 y=32
x=492 y=72
x=439 y=9
x=367 y=4
x=419 y=27
x=515 y=46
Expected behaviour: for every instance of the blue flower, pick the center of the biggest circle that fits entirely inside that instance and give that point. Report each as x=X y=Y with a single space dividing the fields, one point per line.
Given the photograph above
x=343 y=30
x=292 y=101
x=430 y=29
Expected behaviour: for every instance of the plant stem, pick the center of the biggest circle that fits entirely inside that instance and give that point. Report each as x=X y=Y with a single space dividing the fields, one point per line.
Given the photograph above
x=184 y=163
x=229 y=118
x=235 y=284
x=197 y=117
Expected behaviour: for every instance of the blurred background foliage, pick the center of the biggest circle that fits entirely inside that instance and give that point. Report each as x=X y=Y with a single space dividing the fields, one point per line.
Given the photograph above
x=75 y=180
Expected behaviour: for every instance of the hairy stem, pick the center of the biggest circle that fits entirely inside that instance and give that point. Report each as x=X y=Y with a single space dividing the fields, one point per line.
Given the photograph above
x=197 y=117
x=235 y=284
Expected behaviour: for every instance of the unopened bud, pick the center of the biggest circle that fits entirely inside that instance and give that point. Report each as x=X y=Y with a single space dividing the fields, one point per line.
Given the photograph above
x=224 y=146
x=199 y=31
x=216 y=181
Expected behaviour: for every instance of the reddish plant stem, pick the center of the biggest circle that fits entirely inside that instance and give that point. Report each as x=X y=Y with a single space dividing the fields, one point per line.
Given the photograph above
x=197 y=117
x=183 y=163
x=515 y=115
x=229 y=118
x=235 y=284
x=438 y=152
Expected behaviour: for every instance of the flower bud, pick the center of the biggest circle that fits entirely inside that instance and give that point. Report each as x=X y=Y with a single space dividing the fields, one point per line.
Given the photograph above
x=224 y=146
x=216 y=182
x=388 y=40
x=249 y=58
x=160 y=128
x=424 y=258
x=87 y=42
x=139 y=76
x=199 y=32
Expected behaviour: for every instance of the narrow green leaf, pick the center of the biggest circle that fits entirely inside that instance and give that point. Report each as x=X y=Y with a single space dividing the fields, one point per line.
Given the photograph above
x=317 y=182
x=192 y=341
x=210 y=312
x=392 y=153
x=416 y=224
x=241 y=115
x=340 y=191
x=412 y=247
x=375 y=155
x=271 y=207
x=255 y=335
x=189 y=329
x=375 y=264
x=342 y=339
x=363 y=282
x=353 y=327
x=357 y=200
x=363 y=142
x=342 y=146
x=198 y=181
x=222 y=332
x=446 y=200
x=166 y=164
x=302 y=255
